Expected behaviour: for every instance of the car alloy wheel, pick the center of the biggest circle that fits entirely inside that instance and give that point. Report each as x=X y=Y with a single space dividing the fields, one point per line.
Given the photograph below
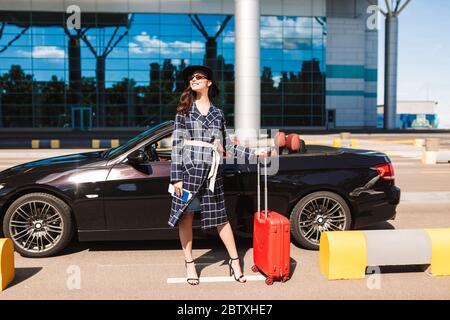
x=316 y=213
x=36 y=226
x=39 y=224
x=319 y=215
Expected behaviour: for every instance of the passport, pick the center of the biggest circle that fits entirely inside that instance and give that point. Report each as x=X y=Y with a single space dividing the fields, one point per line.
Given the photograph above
x=185 y=196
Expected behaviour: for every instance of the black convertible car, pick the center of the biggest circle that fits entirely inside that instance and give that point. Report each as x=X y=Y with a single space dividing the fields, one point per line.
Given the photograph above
x=121 y=194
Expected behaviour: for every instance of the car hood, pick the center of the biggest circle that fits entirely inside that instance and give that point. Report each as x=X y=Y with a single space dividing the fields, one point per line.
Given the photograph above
x=70 y=161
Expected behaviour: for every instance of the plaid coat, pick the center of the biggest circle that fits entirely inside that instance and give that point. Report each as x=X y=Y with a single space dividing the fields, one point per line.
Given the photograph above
x=191 y=164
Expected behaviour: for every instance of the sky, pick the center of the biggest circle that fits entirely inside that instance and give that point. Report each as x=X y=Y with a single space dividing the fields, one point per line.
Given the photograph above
x=424 y=55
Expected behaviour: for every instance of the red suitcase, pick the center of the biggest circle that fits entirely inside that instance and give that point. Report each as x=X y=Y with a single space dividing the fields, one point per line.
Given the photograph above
x=271 y=240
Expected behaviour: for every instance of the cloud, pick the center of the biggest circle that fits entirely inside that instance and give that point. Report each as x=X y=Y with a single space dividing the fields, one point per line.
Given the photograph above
x=228 y=37
x=134 y=48
x=145 y=44
x=218 y=25
x=276 y=80
x=49 y=52
x=177 y=62
x=294 y=33
x=287 y=33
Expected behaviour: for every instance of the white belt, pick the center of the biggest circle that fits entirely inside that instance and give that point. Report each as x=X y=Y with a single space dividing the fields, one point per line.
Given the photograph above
x=215 y=160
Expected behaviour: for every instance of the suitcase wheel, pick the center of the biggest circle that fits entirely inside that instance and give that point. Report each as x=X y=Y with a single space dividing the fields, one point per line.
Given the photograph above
x=254 y=268
x=269 y=281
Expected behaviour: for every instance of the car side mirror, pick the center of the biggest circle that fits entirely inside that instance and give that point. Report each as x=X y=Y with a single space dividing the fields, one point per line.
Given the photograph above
x=137 y=157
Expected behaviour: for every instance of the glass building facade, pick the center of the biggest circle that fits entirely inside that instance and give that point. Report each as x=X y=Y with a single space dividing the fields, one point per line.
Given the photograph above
x=124 y=69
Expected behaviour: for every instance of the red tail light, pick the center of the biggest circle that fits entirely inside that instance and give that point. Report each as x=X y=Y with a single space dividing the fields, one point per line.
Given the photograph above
x=386 y=171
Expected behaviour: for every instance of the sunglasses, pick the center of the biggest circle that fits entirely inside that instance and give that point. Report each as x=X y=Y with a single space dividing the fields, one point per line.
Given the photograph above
x=197 y=77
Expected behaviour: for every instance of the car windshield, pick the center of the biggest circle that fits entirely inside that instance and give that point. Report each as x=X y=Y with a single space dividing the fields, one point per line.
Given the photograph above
x=130 y=144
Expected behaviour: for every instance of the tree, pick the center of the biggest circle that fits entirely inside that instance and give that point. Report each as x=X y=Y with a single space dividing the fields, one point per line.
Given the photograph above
x=52 y=102
x=120 y=99
x=271 y=106
x=17 y=97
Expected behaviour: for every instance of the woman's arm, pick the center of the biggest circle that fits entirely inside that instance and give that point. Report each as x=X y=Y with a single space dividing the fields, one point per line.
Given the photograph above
x=236 y=150
x=179 y=133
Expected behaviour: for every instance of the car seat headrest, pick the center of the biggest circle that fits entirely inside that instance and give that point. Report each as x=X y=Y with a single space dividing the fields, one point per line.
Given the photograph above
x=279 y=139
x=293 y=142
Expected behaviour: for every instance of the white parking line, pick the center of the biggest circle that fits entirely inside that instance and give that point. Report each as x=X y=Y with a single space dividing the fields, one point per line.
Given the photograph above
x=406 y=164
x=216 y=279
x=434 y=172
x=419 y=197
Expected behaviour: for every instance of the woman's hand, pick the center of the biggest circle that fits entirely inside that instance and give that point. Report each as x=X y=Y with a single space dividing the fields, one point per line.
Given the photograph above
x=262 y=153
x=178 y=188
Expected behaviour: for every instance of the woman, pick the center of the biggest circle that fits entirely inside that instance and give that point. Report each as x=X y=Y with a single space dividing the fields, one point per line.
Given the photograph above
x=199 y=125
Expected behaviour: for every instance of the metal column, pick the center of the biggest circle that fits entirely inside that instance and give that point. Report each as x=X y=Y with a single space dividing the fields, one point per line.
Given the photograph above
x=247 y=68
x=390 y=77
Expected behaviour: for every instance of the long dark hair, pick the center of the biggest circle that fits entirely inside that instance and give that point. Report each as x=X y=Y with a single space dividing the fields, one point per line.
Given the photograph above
x=188 y=96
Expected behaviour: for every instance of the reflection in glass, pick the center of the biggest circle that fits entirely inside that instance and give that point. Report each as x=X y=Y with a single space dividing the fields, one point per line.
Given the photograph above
x=126 y=68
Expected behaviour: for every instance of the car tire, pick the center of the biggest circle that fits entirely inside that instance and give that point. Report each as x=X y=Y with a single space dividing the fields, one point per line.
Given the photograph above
x=317 y=212
x=42 y=220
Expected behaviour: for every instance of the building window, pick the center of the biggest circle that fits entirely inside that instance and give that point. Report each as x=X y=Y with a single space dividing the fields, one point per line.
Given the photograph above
x=293 y=71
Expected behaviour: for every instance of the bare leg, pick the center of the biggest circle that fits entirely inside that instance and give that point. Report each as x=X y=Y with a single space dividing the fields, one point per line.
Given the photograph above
x=226 y=234
x=185 y=232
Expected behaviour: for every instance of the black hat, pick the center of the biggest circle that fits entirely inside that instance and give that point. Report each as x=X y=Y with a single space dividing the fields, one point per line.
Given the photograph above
x=188 y=71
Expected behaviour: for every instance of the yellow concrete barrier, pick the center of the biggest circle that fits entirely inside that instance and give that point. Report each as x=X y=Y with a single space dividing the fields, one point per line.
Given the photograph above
x=35 y=144
x=337 y=143
x=440 y=252
x=54 y=143
x=347 y=254
x=419 y=143
x=95 y=144
x=343 y=255
x=7 y=271
x=114 y=143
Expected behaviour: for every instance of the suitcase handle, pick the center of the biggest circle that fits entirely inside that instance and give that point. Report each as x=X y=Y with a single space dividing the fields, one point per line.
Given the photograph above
x=259 y=189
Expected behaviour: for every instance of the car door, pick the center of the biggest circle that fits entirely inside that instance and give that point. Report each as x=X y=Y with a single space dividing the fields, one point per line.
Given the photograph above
x=136 y=197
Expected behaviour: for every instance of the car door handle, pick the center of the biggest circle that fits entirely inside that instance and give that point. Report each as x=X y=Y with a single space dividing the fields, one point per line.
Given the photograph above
x=230 y=173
